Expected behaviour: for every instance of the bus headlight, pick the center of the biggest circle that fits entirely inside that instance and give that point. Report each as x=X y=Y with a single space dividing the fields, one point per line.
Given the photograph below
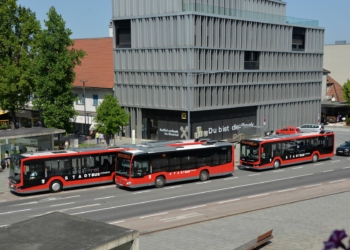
x=128 y=183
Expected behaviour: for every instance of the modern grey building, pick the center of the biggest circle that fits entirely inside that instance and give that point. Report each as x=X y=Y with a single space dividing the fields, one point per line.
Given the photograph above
x=214 y=64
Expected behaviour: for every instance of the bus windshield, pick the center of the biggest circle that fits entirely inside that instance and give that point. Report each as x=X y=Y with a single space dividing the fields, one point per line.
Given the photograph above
x=249 y=150
x=123 y=167
x=15 y=173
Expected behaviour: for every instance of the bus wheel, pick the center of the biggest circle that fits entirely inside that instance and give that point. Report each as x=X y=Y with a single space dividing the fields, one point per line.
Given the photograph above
x=160 y=182
x=315 y=158
x=276 y=164
x=56 y=186
x=204 y=176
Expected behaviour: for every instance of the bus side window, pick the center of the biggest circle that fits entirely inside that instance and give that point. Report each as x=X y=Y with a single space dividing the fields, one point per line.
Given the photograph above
x=204 y=159
x=188 y=161
x=174 y=163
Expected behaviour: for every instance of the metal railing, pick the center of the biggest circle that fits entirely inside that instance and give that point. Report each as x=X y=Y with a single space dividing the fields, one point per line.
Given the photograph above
x=258 y=16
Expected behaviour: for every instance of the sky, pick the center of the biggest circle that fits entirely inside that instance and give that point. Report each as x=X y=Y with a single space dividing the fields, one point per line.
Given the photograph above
x=90 y=18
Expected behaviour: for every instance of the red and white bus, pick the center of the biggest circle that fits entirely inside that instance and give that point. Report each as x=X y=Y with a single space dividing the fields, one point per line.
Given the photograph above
x=160 y=164
x=57 y=170
x=281 y=150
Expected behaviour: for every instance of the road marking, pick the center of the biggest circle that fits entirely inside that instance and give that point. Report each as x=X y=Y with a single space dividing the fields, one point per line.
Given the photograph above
x=318 y=164
x=141 y=192
x=152 y=215
x=2 y=200
x=335 y=161
x=16 y=211
x=104 y=198
x=286 y=190
x=29 y=197
x=187 y=195
x=106 y=187
x=3 y=225
x=228 y=201
x=315 y=185
x=327 y=171
x=181 y=217
x=172 y=187
x=59 y=198
x=258 y=195
x=346 y=167
x=254 y=174
x=276 y=171
x=28 y=203
x=62 y=204
x=230 y=178
x=337 y=181
x=116 y=222
x=65 y=209
x=298 y=167
x=184 y=209
x=204 y=182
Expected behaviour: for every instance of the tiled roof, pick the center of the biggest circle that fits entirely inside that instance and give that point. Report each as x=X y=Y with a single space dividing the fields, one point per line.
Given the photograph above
x=97 y=66
x=335 y=89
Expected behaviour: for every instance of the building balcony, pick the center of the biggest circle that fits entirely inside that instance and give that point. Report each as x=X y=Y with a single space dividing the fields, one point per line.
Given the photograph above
x=257 y=16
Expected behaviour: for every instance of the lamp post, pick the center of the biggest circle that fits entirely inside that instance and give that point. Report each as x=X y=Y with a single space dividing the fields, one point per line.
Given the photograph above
x=84 y=81
x=188 y=105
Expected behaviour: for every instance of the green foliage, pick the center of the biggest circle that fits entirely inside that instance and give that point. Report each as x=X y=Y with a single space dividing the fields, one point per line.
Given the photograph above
x=346 y=92
x=110 y=116
x=3 y=126
x=18 y=30
x=54 y=73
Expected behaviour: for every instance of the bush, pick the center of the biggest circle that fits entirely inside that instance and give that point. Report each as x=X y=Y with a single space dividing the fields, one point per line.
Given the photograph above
x=3 y=126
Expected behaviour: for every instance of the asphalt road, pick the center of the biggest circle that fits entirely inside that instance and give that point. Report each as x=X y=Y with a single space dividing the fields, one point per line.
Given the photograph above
x=111 y=204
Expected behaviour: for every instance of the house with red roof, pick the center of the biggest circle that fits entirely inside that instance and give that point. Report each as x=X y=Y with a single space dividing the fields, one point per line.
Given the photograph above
x=94 y=79
x=333 y=102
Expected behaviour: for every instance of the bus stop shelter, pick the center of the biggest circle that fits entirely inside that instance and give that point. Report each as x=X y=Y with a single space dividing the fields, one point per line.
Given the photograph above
x=27 y=140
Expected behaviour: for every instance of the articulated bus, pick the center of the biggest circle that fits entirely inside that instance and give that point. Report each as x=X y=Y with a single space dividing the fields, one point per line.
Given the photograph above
x=281 y=150
x=160 y=164
x=57 y=170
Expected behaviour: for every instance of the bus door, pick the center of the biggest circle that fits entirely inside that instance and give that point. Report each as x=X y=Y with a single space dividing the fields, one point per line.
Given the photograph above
x=265 y=154
x=140 y=166
x=33 y=173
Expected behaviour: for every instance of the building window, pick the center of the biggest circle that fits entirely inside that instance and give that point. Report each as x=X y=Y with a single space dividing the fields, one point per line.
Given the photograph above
x=251 y=60
x=95 y=100
x=79 y=99
x=298 y=42
x=123 y=33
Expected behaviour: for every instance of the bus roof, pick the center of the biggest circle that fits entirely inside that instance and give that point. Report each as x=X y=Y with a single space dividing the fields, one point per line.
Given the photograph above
x=71 y=151
x=141 y=149
x=291 y=136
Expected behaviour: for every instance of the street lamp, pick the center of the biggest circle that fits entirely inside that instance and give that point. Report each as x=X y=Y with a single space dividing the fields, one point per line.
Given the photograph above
x=84 y=81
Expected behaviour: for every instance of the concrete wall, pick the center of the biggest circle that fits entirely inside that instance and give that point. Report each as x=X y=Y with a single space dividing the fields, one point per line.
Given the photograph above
x=336 y=60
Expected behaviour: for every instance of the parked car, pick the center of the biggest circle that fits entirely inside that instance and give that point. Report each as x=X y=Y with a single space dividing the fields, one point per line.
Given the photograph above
x=288 y=130
x=343 y=149
x=311 y=128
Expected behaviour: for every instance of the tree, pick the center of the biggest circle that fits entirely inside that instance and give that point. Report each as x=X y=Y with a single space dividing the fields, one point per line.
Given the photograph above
x=346 y=92
x=110 y=117
x=54 y=69
x=18 y=30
